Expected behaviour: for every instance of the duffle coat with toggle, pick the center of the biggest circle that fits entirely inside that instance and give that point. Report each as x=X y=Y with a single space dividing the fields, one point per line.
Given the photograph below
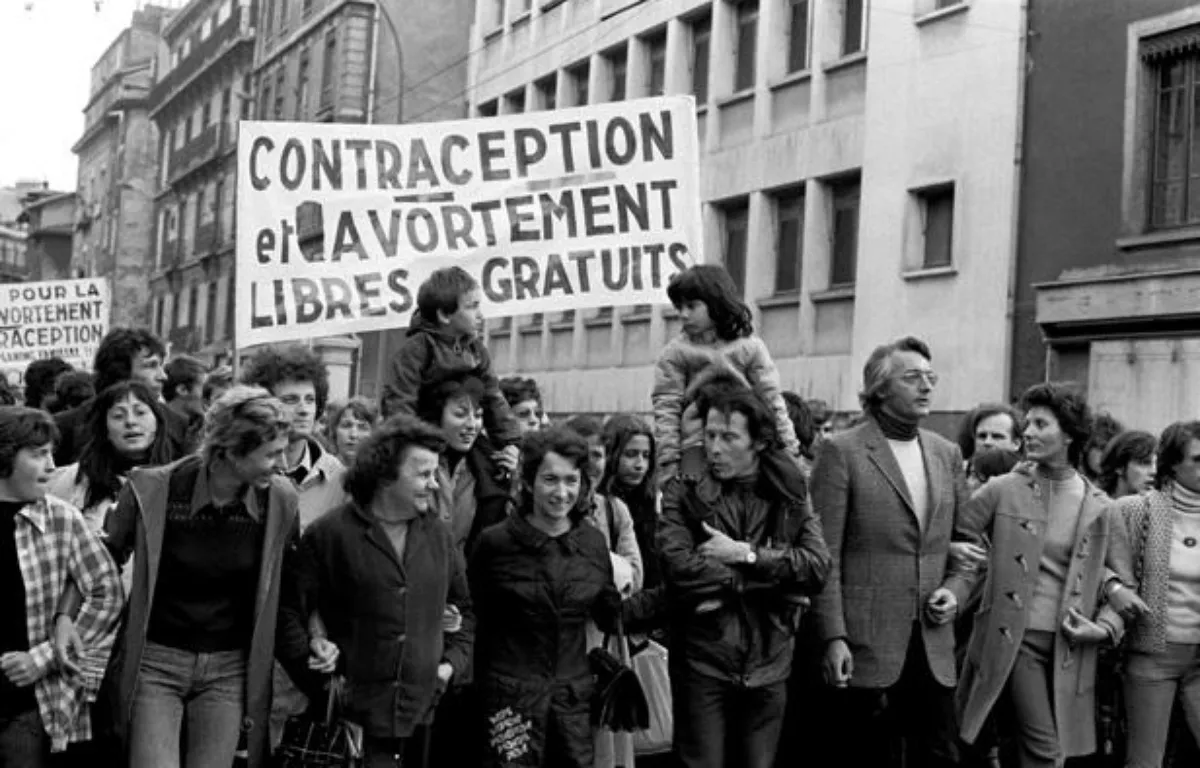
x=1011 y=507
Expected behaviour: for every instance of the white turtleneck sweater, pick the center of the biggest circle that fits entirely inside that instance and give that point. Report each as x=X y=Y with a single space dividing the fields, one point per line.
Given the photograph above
x=1183 y=586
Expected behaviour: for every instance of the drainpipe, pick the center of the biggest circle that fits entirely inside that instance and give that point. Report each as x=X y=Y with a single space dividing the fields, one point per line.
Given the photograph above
x=1018 y=166
x=372 y=66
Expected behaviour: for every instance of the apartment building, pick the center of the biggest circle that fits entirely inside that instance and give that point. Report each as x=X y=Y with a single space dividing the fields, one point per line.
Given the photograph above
x=203 y=89
x=1109 y=263
x=357 y=61
x=117 y=160
x=858 y=177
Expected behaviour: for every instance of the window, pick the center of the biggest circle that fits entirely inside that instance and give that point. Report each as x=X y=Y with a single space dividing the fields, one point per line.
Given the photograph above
x=187 y=48
x=514 y=102
x=488 y=108
x=226 y=100
x=206 y=28
x=701 y=43
x=283 y=9
x=264 y=108
x=579 y=84
x=618 y=67
x=230 y=305
x=225 y=11
x=268 y=16
x=174 y=311
x=497 y=13
x=200 y=217
x=789 y=244
x=940 y=4
x=218 y=199
x=736 y=221
x=278 y=110
x=854 y=26
x=305 y=9
x=187 y=130
x=193 y=300
x=936 y=206
x=747 y=34
x=1175 y=164
x=302 y=87
x=844 y=262
x=205 y=116
x=797 y=60
x=656 y=65
x=546 y=92
x=525 y=5
x=327 y=68
x=158 y=315
x=210 y=314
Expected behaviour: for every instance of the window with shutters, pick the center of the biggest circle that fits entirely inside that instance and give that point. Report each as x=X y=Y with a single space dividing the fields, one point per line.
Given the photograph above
x=935 y=206
x=579 y=75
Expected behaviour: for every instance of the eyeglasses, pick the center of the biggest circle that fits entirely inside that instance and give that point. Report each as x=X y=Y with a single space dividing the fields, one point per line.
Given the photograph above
x=914 y=378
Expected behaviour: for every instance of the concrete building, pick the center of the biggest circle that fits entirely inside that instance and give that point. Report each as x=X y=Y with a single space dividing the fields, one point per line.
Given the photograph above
x=117 y=163
x=857 y=177
x=12 y=199
x=49 y=220
x=201 y=92
x=1109 y=263
x=14 y=266
x=361 y=61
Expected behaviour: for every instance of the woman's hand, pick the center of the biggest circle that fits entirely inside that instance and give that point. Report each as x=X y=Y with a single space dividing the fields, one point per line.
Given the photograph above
x=68 y=645
x=1126 y=603
x=324 y=656
x=967 y=555
x=1081 y=630
x=506 y=459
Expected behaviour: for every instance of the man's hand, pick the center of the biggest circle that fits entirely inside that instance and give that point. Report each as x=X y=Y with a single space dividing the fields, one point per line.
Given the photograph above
x=451 y=619
x=1126 y=603
x=941 y=606
x=722 y=548
x=507 y=459
x=68 y=646
x=967 y=555
x=19 y=668
x=839 y=664
x=1081 y=630
x=444 y=673
x=324 y=655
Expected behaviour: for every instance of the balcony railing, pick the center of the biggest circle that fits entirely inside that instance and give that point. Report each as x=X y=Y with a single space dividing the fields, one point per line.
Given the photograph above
x=235 y=28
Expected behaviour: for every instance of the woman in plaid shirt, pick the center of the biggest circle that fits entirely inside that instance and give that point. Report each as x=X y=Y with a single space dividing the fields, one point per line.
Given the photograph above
x=44 y=542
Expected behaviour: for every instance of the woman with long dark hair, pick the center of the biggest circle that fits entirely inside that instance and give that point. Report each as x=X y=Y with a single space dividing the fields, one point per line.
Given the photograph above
x=629 y=476
x=126 y=428
x=537 y=578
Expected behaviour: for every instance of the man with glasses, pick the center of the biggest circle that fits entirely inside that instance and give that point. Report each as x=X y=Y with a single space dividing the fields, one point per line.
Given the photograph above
x=888 y=492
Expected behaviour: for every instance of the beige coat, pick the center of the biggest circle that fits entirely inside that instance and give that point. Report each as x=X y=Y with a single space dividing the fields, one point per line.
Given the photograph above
x=1011 y=509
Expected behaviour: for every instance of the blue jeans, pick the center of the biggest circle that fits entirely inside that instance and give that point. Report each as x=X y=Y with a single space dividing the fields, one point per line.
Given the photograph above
x=208 y=689
x=719 y=723
x=1153 y=681
x=24 y=743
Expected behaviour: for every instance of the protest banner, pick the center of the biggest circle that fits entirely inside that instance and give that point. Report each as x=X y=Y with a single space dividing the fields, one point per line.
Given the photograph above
x=57 y=318
x=338 y=224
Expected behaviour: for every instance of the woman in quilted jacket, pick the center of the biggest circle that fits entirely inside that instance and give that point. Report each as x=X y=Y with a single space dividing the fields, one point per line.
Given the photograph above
x=718 y=341
x=537 y=578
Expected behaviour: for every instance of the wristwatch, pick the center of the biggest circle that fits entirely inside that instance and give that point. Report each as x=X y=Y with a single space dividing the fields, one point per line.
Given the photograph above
x=751 y=556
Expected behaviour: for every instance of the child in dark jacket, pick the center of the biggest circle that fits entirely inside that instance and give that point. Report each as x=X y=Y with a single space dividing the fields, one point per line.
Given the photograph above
x=443 y=341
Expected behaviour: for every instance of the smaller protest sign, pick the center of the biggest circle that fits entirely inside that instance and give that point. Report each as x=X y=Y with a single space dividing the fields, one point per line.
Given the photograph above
x=57 y=318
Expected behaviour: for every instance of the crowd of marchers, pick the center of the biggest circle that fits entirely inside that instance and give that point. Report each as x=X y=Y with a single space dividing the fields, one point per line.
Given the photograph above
x=190 y=565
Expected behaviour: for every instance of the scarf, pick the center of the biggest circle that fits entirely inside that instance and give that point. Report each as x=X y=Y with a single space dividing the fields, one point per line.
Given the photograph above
x=893 y=427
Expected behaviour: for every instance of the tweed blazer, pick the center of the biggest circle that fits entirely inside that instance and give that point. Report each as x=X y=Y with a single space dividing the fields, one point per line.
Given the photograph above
x=884 y=565
x=1149 y=518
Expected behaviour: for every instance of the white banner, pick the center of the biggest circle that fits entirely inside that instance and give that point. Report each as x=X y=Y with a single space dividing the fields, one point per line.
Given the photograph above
x=338 y=224
x=57 y=318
